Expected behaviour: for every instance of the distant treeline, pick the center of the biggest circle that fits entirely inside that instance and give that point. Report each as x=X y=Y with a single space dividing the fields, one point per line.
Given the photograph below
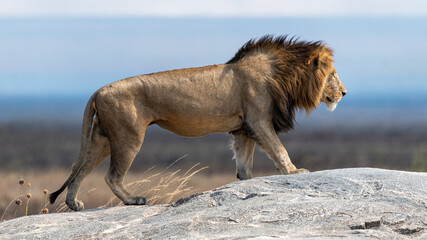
x=52 y=145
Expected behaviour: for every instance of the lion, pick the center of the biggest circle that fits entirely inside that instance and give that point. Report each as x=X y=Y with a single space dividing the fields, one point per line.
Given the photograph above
x=253 y=97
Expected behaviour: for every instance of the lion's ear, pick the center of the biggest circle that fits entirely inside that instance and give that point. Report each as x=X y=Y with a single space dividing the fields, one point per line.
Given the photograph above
x=321 y=58
x=314 y=60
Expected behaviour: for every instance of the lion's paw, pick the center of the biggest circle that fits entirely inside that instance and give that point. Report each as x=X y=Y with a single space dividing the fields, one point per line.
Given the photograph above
x=75 y=205
x=137 y=201
x=300 y=170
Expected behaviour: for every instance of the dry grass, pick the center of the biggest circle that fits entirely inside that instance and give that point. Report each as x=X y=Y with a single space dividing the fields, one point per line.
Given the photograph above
x=158 y=186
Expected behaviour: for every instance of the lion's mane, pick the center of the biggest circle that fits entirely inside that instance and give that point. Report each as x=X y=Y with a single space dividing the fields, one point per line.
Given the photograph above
x=298 y=73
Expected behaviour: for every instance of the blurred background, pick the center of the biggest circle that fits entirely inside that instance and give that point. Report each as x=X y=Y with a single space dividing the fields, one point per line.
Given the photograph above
x=54 y=55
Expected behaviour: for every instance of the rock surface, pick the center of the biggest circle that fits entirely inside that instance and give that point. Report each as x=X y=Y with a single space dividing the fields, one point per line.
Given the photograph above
x=355 y=203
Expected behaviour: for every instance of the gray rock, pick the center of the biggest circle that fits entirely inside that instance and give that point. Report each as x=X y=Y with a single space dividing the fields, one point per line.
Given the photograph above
x=353 y=203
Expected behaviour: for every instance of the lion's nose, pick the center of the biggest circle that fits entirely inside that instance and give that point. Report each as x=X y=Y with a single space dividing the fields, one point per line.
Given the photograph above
x=344 y=93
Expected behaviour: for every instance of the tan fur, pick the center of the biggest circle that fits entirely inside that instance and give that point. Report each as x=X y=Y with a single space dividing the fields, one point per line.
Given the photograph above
x=253 y=96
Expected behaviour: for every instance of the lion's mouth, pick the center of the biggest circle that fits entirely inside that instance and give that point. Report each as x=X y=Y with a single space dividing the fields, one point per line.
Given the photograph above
x=331 y=106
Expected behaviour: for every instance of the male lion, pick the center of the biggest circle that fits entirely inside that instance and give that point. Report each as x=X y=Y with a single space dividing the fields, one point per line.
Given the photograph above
x=253 y=96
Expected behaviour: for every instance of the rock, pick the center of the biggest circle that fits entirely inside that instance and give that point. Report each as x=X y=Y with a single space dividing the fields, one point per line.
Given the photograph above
x=354 y=203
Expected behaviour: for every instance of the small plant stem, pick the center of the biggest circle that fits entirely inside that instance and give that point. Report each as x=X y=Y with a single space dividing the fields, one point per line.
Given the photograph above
x=26 y=208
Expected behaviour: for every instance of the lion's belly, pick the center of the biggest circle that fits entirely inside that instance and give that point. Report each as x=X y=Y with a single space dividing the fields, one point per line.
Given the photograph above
x=200 y=127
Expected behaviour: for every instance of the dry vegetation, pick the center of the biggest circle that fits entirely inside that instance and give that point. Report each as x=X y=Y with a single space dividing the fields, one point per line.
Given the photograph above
x=159 y=186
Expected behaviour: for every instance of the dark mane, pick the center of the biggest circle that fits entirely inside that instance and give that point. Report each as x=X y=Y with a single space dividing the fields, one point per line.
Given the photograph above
x=269 y=43
x=297 y=78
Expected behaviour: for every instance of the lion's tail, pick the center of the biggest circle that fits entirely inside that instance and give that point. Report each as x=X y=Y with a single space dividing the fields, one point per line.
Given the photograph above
x=89 y=113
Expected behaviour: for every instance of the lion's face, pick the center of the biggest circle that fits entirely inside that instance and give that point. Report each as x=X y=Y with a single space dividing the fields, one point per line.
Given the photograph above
x=333 y=92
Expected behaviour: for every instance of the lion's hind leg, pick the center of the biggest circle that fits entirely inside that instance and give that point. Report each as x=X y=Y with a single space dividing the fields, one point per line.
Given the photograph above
x=243 y=148
x=123 y=151
x=97 y=150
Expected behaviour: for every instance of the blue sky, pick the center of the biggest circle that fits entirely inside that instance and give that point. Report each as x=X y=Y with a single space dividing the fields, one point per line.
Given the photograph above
x=73 y=48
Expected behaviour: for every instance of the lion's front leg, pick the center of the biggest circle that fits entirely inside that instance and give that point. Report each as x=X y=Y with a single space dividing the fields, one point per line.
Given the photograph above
x=266 y=137
x=243 y=148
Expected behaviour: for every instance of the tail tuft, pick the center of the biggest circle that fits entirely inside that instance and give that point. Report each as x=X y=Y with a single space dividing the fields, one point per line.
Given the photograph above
x=54 y=196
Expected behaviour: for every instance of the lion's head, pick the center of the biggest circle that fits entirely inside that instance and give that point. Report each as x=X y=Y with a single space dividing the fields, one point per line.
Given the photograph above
x=302 y=76
x=333 y=92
